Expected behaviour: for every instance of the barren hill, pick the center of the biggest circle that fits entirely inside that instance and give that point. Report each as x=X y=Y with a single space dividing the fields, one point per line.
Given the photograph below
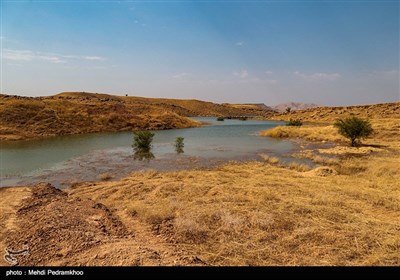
x=81 y=112
x=323 y=114
x=183 y=107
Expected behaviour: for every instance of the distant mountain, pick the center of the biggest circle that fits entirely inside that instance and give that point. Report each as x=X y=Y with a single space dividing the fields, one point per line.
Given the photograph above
x=294 y=106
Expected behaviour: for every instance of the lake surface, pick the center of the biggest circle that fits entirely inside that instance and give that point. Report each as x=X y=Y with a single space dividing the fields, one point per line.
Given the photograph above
x=69 y=159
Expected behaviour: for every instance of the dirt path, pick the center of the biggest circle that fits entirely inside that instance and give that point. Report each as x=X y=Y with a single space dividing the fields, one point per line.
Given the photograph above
x=64 y=230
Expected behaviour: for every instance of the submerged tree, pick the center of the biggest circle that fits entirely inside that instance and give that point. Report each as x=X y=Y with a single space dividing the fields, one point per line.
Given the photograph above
x=142 y=145
x=354 y=128
x=179 y=145
x=142 y=139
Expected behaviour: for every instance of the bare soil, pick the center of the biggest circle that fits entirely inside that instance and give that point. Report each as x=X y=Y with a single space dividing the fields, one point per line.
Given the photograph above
x=61 y=230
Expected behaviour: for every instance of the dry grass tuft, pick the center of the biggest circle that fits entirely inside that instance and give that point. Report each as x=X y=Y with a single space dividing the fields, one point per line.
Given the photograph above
x=269 y=159
x=308 y=132
x=316 y=158
x=105 y=176
x=298 y=166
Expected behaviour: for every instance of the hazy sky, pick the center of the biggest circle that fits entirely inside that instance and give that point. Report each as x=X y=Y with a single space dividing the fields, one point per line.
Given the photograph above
x=331 y=53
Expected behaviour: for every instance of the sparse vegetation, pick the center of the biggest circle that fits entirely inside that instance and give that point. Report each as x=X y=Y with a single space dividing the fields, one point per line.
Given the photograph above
x=311 y=133
x=142 y=140
x=179 y=145
x=375 y=112
x=179 y=142
x=293 y=122
x=300 y=167
x=354 y=129
x=288 y=109
x=243 y=118
x=105 y=176
x=220 y=119
x=142 y=145
x=269 y=159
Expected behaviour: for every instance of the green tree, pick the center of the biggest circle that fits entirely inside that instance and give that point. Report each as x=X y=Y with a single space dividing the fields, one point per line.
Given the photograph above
x=179 y=145
x=142 y=145
x=142 y=139
x=354 y=128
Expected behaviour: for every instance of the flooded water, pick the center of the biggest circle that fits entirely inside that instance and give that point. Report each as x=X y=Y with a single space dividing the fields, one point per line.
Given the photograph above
x=68 y=159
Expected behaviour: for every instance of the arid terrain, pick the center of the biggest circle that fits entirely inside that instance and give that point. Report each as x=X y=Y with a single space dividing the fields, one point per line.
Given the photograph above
x=80 y=112
x=343 y=211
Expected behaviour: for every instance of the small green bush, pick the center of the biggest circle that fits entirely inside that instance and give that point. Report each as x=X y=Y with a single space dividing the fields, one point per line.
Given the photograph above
x=354 y=129
x=179 y=142
x=220 y=119
x=293 y=122
x=142 y=139
x=179 y=145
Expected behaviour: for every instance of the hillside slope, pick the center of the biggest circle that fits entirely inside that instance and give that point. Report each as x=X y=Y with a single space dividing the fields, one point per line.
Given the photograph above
x=183 y=107
x=327 y=114
x=77 y=112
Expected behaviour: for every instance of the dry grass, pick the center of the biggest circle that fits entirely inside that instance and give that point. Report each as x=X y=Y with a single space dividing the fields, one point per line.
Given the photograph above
x=298 y=166
x=316 y=158
x=308 y=132
x=269 y=159
x=105 y=176
x=257 y=214
x=292 y=165
x=330 y=114
x=22 y=118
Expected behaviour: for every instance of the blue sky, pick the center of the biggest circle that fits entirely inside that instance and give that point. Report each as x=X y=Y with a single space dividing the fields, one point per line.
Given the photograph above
x=325 y=52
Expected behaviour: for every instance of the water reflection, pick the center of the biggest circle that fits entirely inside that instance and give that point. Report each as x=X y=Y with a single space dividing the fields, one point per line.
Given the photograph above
x=179 y=150
x=179 y=145
x=142 y=154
